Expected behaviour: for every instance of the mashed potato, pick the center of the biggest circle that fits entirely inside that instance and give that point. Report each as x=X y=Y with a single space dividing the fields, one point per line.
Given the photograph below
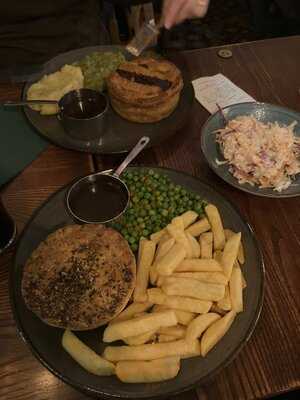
x=54 y=87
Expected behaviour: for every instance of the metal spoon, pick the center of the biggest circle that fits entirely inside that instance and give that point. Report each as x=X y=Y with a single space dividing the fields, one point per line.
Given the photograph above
x=27 y=102
x=102 y=197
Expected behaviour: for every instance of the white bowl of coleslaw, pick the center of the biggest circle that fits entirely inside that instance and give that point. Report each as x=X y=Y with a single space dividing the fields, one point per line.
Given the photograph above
x=257 y=148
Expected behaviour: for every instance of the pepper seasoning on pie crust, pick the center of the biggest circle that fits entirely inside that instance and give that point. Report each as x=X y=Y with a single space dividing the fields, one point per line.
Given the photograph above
x=79 y=277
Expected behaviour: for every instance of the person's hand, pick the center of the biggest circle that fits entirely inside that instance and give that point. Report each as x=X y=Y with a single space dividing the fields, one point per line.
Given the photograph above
x=176 y=11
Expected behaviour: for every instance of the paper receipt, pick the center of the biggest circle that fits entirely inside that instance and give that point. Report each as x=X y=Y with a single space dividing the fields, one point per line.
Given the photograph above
x=214 y=89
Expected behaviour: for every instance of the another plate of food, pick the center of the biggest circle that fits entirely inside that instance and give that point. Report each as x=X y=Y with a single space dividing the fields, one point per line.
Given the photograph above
x=255 y=147
x=150 y=305
x=147 y=96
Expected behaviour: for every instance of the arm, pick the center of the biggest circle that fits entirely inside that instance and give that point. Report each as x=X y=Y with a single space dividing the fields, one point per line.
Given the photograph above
x=176 y=11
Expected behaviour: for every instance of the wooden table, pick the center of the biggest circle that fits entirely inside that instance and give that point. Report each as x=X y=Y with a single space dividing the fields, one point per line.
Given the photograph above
x=270 y=363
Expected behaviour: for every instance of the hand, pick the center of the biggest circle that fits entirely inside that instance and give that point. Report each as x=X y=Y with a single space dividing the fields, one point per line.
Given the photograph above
x=176 y=11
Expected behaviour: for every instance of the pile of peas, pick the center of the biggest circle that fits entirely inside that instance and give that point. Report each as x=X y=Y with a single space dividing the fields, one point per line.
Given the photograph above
x=155 y=200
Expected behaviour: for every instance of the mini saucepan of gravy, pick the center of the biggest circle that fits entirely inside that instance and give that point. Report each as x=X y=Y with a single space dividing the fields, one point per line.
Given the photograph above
x=103 y=196
x=83 y=114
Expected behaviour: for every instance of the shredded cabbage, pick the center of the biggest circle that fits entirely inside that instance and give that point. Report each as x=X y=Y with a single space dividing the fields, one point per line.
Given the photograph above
x=263 y=154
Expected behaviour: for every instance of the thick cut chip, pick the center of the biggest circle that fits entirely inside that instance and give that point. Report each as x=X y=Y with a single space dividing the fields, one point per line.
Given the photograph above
x=215 y=332
x=180 y=238
x=195 y=246
x=198 y=227
x=199 y=325
x=140 y=339
x=155 y=237
x=152 y=351
x=138 y=326
x=230 y=253
x=183 y=317
x=162 y=249
x=216 y=226
x=85 y=356
x=131 y=311
x=209 y=277
x=176 y=331
x=157 y=296
x=225 y=303
x=189 y=217
x=168 y=263
x=145 y=260
x=189 y=287
x=148 y=371
x=206 y=245
x=236 y=290
x=199 y=265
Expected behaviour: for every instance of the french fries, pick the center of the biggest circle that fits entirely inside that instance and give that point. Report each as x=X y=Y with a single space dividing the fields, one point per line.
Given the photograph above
x=225 y=303
x=215 y=332
x=162 y=338
x=155 y=237
x=195 y=246
x=176 y=331
x=206 y=245
x=85 y=356
x=183 y=317
x=192 y=288
x=189 y=217
x=146 y=352
x=168 y=263
x=138 y=326
x=216 y=226
x=148 y=371
x=199 y=325
x=162 y=249
x=241 y=252
x=192 y=305
x=178 y=223
x=179 y=235
x=198 y=227
x=145 y=259
x=140 y=339
x=218 y=255
x=199 y=265
x=236 y=290
x=157 y=296
x=131 y=310
x=216 y=309
x=209 y=277
x=230 y=253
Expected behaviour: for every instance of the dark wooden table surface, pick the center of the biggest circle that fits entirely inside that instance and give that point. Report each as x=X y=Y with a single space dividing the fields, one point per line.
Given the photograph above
x=270 y=363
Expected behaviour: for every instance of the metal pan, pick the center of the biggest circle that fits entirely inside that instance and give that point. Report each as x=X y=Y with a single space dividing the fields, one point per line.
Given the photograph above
x=102 y=196
x=81 y=112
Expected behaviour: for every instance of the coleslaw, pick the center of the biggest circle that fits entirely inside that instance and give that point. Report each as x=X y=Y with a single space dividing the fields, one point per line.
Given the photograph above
x=263 y=154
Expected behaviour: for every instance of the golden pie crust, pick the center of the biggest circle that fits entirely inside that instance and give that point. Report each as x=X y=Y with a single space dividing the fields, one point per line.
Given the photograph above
x=145 y=89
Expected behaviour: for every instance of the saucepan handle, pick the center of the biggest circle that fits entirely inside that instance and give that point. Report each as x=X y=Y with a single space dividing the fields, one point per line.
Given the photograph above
x=142 y=143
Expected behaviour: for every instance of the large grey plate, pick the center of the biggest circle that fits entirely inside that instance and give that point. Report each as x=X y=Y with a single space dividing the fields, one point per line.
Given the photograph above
x=263 y=112
x=45 y=341
x=120 y=135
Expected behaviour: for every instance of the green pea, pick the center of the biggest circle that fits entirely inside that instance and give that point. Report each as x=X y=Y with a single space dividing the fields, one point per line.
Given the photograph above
x=132 y=240
x=134 y=247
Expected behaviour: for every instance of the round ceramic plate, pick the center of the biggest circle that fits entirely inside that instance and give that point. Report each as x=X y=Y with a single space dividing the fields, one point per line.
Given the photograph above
x=262 y=112
x=120 y=135
x=45 y=341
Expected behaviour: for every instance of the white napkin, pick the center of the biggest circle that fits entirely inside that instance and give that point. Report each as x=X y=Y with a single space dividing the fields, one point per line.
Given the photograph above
x=214 y=89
